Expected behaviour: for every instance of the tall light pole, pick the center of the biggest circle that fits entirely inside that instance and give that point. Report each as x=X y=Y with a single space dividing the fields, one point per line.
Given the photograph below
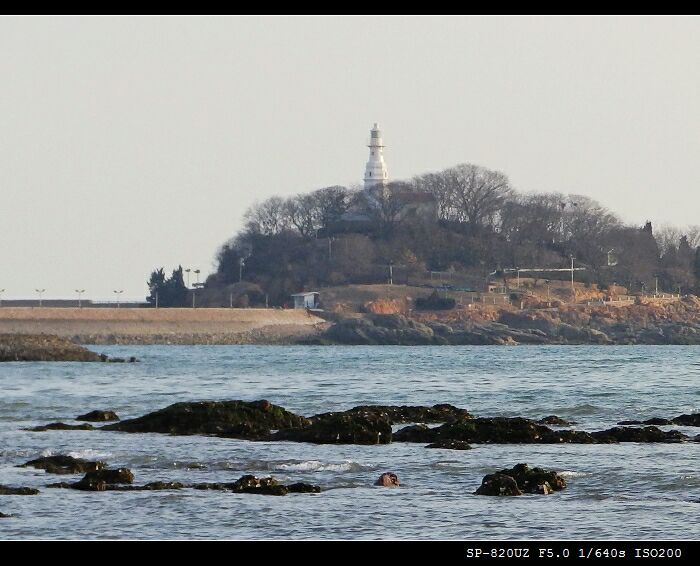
x=188 y=275
x=1 y=292
x=391 y=273
x=196 y=272
x=41 y=292
x=572 y=274
x=119 y=294
x=80 y=294
x=241 y=263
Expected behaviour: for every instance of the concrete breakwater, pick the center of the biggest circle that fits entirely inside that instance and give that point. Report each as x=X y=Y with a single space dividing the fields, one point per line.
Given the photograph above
x=162 y=326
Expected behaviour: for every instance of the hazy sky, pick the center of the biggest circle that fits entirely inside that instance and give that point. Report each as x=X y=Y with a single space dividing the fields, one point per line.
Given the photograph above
x=132 y=143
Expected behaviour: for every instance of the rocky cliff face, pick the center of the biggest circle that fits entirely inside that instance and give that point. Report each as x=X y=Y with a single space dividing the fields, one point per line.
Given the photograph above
x=674 y=323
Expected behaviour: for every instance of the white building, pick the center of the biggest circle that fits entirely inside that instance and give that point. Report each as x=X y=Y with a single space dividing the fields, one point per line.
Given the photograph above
x=306 y=300
x=375 y=171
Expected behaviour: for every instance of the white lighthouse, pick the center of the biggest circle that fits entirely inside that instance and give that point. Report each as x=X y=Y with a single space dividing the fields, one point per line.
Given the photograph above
x=375 y=171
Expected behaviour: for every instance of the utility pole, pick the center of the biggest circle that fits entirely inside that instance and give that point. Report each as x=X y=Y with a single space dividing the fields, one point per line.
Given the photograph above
x=80 y=293
x=572 y=274
x=156 y=299
x=230 y=300
x=329 y=248
x=194 y=294
x=657 y=286
x=391 y=273
x=241 y=263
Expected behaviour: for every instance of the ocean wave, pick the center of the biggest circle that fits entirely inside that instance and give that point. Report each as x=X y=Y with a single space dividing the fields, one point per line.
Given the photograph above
x=318 y=466
x=572 y=474
x=86 y=454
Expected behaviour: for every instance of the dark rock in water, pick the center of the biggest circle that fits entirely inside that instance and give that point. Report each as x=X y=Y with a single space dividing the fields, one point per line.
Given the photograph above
x=42 y=348
x=60 y=426
x=414 y=433
x=535 y=480
x=98 y=416
x=7 y=490
x=555 y=420
x=633 y=434
x=88 y=485
x=397 y=414
x=62 y=464
x=341 y=428
x=239 y=419
x=100 y=480
x=498 y=484
x=118 y=475
x=60 y=485
x=303 y=488
x=262 y=486
x=688 y=420
x=4 y=516
x=655 y=421
x=388 y=479
x=497 y=430
x=450 y=445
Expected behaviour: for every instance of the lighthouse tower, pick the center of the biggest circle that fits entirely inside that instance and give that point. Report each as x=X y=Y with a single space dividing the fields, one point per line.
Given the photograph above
x=375 y=171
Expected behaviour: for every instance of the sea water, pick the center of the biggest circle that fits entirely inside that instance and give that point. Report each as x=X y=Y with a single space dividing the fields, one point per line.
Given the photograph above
x=617 y=491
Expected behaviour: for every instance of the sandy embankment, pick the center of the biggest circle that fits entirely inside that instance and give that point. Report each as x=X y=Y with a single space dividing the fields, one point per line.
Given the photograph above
x=163 y=326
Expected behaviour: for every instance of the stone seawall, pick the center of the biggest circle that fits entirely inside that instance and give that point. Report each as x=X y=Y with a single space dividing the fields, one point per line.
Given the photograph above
x=162 y=326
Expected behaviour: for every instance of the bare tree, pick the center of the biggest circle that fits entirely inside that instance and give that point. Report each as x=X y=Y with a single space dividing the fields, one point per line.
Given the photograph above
x=476 y=193
x=269 y=217
x=303 y=213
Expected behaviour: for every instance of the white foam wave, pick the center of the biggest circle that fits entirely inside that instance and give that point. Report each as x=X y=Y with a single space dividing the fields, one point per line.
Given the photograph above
x=318 y=466
x=572 y=474
x=89 y=454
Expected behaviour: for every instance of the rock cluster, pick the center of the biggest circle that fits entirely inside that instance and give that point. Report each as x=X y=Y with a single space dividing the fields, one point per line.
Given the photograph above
x=521 y=479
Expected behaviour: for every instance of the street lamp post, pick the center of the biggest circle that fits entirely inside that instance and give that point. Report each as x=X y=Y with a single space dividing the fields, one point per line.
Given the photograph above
x=80 y=294
x=188 y=275
x=572 y=273
x=119 y=293
x=196 y=272
x=1 y=292
x=241 y=263
x=391 y=273
x=41 y=292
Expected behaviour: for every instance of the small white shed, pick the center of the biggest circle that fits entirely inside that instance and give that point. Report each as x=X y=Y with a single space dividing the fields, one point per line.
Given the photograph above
x=306 y=300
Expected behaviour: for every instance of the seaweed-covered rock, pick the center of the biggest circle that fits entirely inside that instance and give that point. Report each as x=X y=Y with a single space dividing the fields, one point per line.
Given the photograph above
x=450 y=445
x=61 y=426
x=535 y=480
x=554 y=420
x=7 y=490
x=118 y=475
x=498 y=484
x=397 y=414
x=42 y=348
x=301 y=487
x=655 y=421
x=63 y=464
x=262 y=486
x=341 y=428
x=634 y=434
x=5 y=516
x=98 y=416
x=687 y=420
x=497 y=430
x=414 y=433
x=388 y=479
x=239 y=419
